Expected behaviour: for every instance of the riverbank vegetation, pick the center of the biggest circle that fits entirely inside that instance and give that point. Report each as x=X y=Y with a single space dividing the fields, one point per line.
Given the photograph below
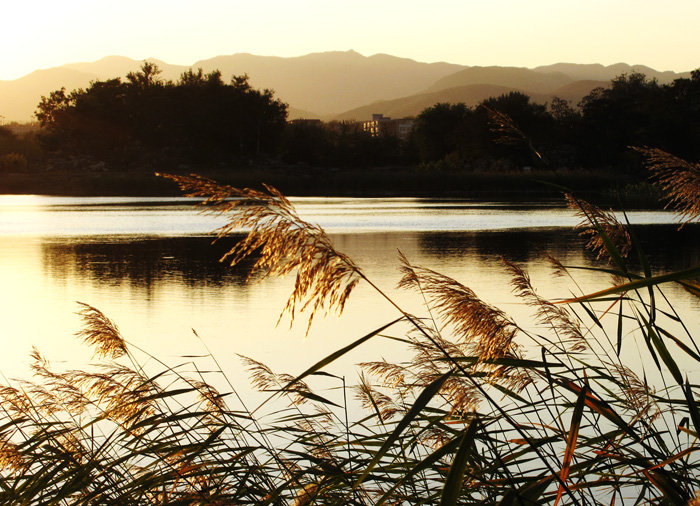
x=600 y=186
x=486 y=411
x=110 y=137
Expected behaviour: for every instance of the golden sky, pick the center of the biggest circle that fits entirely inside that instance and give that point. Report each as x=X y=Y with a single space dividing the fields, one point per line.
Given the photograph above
x=664 y=35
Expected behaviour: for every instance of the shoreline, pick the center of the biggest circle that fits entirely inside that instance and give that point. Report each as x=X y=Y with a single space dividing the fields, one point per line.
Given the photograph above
x=333 y=182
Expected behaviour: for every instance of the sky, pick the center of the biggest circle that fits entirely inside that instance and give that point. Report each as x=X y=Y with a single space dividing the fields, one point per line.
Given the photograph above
x=525 y=33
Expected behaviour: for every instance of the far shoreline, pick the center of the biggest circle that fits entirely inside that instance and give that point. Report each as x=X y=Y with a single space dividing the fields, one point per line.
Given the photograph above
x=599 y=186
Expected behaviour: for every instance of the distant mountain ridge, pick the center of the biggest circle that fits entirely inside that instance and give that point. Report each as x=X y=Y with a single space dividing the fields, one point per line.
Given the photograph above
x=511 y=77
x=326 y=84
x=470 y=94
x=596 y=71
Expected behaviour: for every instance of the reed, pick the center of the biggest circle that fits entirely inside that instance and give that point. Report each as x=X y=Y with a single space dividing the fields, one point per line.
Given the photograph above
x=484 y=412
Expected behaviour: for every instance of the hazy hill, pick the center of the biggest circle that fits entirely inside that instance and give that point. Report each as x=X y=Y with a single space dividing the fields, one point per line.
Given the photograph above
x=20 y=97
x=600 y=72
x=119 y=66
x=574 y=92
x=323 y=84
x=294 y=113
x=414 y=104
x=326 y=83
x=314 y=84
x=511 y=77
x=471 y=95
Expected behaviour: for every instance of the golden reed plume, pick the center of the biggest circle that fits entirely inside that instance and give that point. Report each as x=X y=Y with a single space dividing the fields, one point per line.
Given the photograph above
x=679 y=178
x=594 y=221
x=281 y=243
x=486 y=328
x=100 y=332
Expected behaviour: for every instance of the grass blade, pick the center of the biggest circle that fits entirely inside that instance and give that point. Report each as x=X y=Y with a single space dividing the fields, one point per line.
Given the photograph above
x=639 y=283
x=455 y=478
x=426 y=395
x=572 y=440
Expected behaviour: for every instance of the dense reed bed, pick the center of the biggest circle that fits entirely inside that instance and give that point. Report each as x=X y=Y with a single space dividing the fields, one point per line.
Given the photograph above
x=486 y=410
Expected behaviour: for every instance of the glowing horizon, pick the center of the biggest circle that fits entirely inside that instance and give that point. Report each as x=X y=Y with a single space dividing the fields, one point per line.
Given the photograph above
x=506 y=33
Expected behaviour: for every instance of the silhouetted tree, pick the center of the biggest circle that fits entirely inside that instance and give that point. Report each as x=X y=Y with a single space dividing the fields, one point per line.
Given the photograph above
x=146 y=119
x=439 y=129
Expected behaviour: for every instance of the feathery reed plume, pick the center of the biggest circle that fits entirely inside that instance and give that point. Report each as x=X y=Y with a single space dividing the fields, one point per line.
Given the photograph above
x=16 y=402
x=100 y=332
x=11 y=459
x=558 y=268
x=507 y=131
x=639 y=395
x=263 y=379
x=281 y=242
x=593 y=217
x=679 y=178
x=372 y=399
x=482 y=332
x=486 y=328
x=392 y=375
x=556 y=316
x=122 y=393
x=306 y=494
x=209 y=396
x=65 y=392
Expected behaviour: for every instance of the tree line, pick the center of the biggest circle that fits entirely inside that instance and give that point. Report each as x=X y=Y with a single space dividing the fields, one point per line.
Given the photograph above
x=199 y=118
x=511 y=131
x=143 y=122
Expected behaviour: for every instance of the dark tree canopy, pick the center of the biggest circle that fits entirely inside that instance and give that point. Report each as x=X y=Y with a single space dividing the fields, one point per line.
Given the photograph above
x=465 y=136
x=199 y=118
x=632 y=111
x=636 y=111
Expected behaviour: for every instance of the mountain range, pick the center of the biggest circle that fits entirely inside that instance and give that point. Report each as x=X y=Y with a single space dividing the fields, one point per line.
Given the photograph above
x=341 y=84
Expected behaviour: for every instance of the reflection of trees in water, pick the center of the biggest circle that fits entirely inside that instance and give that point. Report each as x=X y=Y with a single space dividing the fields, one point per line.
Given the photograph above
x=669 y=248
x=517 y=246
x=144 y=262
x=193 y=261
x=666 y=247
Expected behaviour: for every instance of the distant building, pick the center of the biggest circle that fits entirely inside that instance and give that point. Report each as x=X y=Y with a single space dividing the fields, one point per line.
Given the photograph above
x=379 y=125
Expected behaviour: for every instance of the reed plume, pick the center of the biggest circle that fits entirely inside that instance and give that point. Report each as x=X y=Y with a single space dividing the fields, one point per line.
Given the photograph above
x=594 y=223
x=11 y=458
x=100 y=332
x=547 y=313
x=679 y=178
x=372 y=399
x=483 y=335
x=487 y=330
x=638 y=394
x=265 y=380
x=209 y=396
x=281 y=242
x=124 y=395
x=507 y=131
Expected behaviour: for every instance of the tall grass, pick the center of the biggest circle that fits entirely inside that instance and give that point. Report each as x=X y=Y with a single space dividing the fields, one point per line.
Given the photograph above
x=485 y=411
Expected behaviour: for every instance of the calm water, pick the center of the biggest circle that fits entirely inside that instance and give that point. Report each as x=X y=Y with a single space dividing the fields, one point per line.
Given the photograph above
x=149 y=265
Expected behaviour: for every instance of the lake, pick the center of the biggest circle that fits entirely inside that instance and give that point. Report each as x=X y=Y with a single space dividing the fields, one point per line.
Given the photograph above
x=148 y=264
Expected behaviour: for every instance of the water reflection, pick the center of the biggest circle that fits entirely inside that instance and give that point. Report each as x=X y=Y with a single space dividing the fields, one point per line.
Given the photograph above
x=666 y=247
x=192 y=261
x=149 y=263
x=158 y=287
